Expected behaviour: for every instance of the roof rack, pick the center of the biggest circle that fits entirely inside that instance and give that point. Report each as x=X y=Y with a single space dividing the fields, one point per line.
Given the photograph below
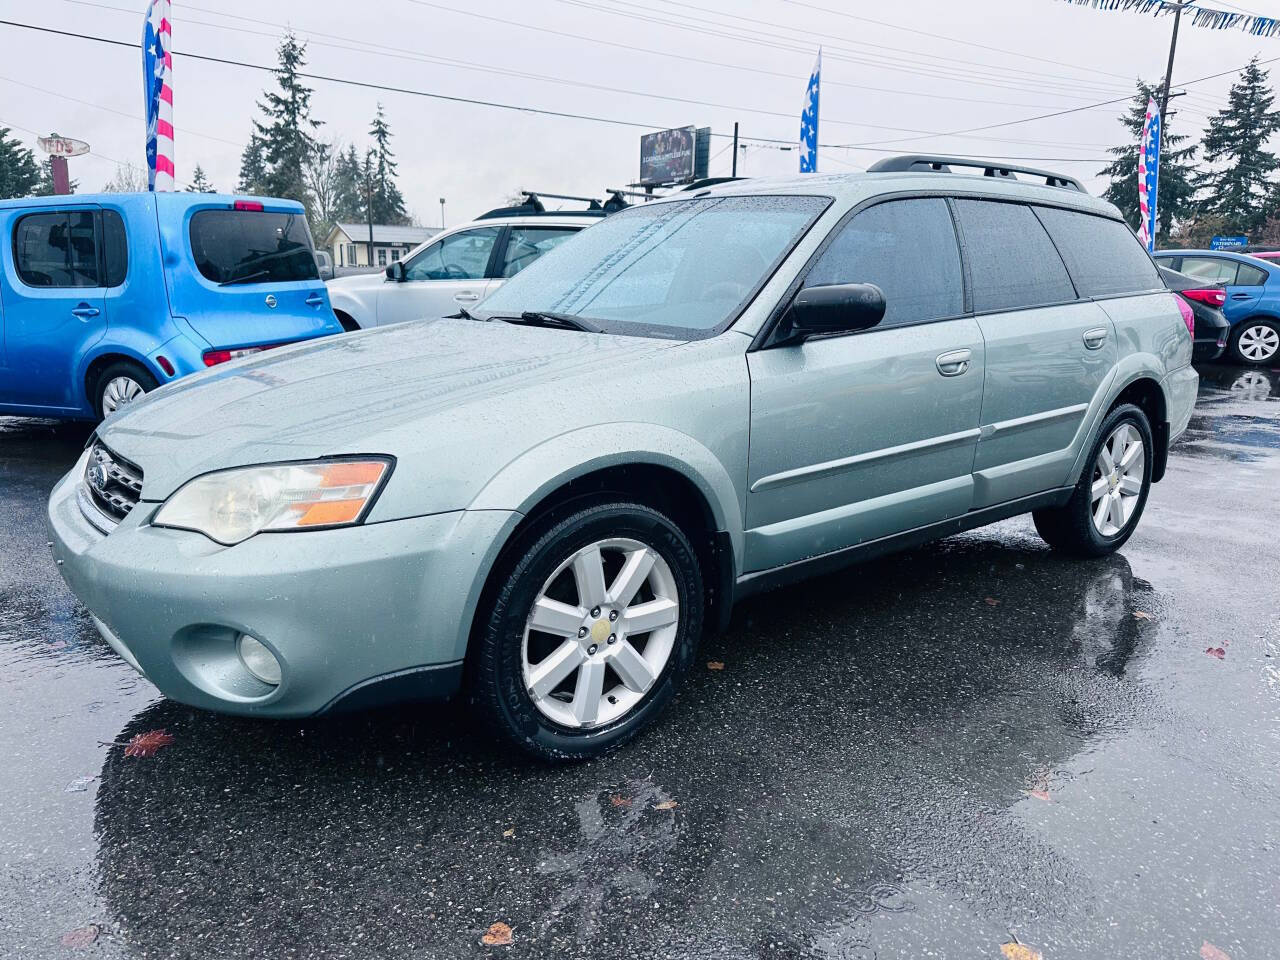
x=531 y=206
x=925 y=163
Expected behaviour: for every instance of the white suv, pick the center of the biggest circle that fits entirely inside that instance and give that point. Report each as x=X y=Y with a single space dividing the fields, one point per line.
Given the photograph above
x=459 y=267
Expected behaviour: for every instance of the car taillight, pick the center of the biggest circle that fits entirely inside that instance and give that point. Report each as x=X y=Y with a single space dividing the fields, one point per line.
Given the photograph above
x=252 y=205
x=1213 y=296
x=214 y=357
x=1187 y=316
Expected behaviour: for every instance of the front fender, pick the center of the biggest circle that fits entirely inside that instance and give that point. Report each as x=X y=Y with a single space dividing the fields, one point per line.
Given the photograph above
x=359 y=304
x=541 y=470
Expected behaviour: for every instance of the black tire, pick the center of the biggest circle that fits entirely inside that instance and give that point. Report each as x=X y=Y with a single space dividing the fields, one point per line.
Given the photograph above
x=119 y=368
x=348 y=323
x=1235 y=351
x=498 y=658
x=1070 y=528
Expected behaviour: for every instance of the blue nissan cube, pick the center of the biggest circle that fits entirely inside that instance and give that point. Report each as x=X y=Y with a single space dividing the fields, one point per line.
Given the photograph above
x=105 y=297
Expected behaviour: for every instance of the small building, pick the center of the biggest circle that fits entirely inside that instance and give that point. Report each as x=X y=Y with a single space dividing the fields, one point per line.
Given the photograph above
x=348 y=243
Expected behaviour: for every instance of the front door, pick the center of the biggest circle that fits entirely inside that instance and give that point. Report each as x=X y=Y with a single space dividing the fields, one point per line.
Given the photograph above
x=860 y=436
x=54 y=304
x=443 y=277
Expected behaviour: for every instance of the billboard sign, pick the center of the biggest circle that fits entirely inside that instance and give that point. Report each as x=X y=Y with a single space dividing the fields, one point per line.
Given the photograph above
x=1228 y=243
x=668 y=156
x=57 y=146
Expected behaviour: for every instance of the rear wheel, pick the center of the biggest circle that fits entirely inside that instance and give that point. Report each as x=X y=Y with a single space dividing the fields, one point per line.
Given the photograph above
x=1256 y=342
x=1108 y=501
x=118 y=385
x=584 y=642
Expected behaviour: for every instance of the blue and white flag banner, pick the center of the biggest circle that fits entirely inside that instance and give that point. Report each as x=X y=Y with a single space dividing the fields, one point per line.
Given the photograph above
x=1149 y=175
x=809 y=121
x=1208 y=17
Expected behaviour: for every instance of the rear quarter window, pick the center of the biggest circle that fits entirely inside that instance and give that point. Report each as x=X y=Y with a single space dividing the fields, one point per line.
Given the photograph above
x=1103 y=256
x=252 y=246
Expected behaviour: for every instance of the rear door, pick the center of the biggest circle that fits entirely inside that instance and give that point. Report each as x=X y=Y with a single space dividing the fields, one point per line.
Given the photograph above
x=451 y=273
x=1242 y=282
x=525 y=244
x=859 y=436
x=54 y=304
x=1048 y=351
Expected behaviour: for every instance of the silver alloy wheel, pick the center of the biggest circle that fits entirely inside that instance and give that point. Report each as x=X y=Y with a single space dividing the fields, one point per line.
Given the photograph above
x=118 y=392
x=1259 y=343
x=1117 y=479
x=615 y=640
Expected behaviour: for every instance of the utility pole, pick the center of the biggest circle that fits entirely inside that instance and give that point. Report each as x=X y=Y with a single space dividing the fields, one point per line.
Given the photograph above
x=1168 y=75
x=368 y=204
x=735 y=148
x=442 y=213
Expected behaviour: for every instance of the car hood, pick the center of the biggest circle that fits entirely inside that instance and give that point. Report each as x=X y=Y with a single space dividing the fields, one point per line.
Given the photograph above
x=359 y=393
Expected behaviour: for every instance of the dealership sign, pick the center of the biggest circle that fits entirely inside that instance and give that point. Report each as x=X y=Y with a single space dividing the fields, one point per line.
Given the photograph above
x=1228 y=243
x=57 y=146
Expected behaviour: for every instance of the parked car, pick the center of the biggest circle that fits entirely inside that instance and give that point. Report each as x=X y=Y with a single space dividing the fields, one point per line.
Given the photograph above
x=1210 y=330
x=1253 y=298
x=697 y=399
x=103 y=298
x=461 y=266
x=1270 y=256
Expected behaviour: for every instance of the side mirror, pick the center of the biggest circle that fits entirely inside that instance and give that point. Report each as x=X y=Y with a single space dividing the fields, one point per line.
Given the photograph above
x=396 y=271
x=837 y=308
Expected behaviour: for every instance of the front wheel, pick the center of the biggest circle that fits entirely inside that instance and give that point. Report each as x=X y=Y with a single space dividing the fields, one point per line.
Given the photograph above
x=1108 y=501
x=1256 y=342
x=585 y=641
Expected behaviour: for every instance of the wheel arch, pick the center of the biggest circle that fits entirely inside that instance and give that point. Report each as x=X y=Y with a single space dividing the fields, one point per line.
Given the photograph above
x=1144 y=391
x=102 y=357
x=349 y=323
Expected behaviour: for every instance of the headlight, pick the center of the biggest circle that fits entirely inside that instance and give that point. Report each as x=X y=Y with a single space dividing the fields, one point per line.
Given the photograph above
x=233 y=505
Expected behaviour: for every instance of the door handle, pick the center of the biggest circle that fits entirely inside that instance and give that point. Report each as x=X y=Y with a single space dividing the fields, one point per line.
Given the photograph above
x=954 y=363
x=1242 y=296
x=315 y=300
x=1095 y=338
x=85 y=312
x=466 y=297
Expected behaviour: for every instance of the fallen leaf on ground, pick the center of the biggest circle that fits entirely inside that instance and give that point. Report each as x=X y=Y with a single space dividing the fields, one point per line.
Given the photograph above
x=1040 y=794
x=1019 y=951
x=146 y=744
x=498 y=935
x=715 y=665
x=1142 y=615
x=1209 y=952
x=1216 y=652
x=666 y=805
x=992 y=602
x=620 y=801
x=85 y=936
x=509 y=832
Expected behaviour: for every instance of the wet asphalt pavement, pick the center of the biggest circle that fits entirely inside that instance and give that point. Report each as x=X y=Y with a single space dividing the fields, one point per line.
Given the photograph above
x=924 y=757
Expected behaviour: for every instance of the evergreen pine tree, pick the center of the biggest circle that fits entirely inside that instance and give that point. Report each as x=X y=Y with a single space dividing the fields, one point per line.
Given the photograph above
x=1240 y=187
x=199 y=182
x=19 y=172
x=388 y=203
x=253 y=167
x=1178 y=173
x=349 y=199
x=286 y=133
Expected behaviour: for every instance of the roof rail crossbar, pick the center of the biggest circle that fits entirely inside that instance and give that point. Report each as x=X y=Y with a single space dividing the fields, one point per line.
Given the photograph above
x=531 y=204
x=927 y=163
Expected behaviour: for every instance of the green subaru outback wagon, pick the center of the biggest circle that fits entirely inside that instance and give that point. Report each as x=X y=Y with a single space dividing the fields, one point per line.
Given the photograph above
x=548 y=499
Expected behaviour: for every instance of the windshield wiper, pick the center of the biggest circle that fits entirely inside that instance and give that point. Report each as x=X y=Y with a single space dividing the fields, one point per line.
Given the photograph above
x=544 y=318
x=462 y=314
x=245 y=279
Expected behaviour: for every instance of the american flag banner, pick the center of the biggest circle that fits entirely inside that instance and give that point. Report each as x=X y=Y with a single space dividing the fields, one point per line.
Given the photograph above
x=157 y=89
x=809 y=121
x=1149 y=175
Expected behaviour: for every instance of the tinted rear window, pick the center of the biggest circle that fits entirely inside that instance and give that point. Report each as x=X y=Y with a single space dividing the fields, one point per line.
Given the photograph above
x=115 y=249
x=246 y=246
x=57 y=249
x=1012 y=262
x=1103 y=256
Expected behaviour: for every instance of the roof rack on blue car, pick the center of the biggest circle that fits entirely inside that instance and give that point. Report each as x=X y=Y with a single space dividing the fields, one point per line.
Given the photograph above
x=927 y=163
x=531 y=206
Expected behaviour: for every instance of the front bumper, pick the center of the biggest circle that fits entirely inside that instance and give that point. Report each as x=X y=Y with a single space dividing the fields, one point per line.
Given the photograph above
x=348 y=612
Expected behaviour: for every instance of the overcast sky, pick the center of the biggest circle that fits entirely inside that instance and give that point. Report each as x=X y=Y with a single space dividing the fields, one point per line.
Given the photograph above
x=901 y=76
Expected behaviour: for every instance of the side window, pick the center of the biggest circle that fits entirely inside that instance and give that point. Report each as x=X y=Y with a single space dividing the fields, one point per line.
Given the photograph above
x=1210 y=269
x=1103 y=256
x=1012 y=262
x=56 y=249
x=1250 y=276
x=527 y=244
x=908 y=249
x=460 y=256
x=115 y=249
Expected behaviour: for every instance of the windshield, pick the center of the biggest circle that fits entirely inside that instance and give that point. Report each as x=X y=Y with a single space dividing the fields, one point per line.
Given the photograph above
x=251 y=246
x=682 y=270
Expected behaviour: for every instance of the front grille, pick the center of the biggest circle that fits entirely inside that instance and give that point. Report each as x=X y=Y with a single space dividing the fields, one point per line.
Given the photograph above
x=114 y=485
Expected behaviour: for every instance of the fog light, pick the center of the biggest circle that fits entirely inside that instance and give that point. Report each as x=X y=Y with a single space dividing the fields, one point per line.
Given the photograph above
x=258 y=660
